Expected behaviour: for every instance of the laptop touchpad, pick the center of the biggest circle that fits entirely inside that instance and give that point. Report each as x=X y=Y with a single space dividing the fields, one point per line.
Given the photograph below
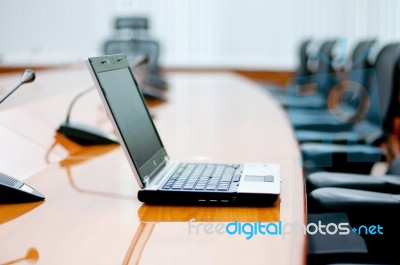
x=268 y=178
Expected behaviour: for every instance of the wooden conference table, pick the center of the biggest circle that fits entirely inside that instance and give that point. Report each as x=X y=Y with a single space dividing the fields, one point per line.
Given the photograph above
x=91 y=214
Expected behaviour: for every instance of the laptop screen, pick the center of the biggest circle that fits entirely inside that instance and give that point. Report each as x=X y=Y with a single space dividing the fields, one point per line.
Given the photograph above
x=132 y=119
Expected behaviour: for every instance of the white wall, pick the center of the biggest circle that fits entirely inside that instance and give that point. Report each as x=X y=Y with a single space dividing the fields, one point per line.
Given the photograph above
x=216 y=33
x=35 y=31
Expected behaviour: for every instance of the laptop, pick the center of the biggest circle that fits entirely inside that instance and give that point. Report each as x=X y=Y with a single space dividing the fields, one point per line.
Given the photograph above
x=161 y=180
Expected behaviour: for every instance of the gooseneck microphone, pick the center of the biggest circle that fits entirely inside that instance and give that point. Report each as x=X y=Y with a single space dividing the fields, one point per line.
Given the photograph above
x=13 y=190
x=76 y=98
x=82 y=133
x=27 y=77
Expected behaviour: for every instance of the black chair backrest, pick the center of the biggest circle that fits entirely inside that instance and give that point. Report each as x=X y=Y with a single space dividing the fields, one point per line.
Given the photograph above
x=360 y=73
x=360 y=64
x=323 y=76
x=303 y=56
x=359 y=58
x=133 y=23
x=325 y=57
x=147 y=47
x=385 y=90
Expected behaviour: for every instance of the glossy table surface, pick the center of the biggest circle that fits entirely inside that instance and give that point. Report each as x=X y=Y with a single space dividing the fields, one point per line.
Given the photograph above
x=91 y=214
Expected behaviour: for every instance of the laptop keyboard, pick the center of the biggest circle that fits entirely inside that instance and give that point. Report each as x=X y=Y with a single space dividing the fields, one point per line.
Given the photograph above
x=209 y=177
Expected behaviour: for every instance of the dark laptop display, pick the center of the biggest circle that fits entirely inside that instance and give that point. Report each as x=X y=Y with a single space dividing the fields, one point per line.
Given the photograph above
x=139 y=134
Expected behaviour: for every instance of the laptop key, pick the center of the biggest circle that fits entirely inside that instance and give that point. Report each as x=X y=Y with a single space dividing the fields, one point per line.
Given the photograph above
x=190 y=181
x=179 y=182
x=175 y=176
x=236 y=178
x=225 y=183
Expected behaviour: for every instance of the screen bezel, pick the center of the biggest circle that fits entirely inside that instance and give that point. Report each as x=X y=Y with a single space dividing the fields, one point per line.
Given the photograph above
x=148 y=171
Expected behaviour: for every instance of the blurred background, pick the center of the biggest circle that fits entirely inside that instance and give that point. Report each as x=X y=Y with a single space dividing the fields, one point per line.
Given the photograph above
x=230 y=34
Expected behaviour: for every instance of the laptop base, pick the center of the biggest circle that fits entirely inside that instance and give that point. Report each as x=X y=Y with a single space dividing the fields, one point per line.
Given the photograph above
x=160 y=197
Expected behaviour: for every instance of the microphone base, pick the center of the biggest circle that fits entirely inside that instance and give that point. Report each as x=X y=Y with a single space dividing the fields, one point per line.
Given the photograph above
x=86 y=135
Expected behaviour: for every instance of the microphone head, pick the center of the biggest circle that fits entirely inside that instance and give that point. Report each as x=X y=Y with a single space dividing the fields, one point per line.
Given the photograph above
x=28 y=76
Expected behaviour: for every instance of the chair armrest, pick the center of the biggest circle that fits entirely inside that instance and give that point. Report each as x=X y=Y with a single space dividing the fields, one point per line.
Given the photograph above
x=376 y=138
x=387 y=183
x=303 y=102
x=352 y=200
x=340 y=158
x=329 y=137
x=304 y=123
x=352 y=181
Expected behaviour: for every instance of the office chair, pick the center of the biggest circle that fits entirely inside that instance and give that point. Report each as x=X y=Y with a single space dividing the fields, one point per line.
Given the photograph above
x=129 y=27
x=356 y=247
x=378 y=120
x=302 y=70
x=360 y=81
x=138 y=29
x=324 y=249
x=385 y=66
x=131 y=47
x=150 y=48
x=372 y=130
x=363 y=208
x=390 y=182
x=357 y=200
x=322 y=79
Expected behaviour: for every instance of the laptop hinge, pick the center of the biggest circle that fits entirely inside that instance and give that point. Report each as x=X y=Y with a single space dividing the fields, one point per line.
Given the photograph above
x=147 y=178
